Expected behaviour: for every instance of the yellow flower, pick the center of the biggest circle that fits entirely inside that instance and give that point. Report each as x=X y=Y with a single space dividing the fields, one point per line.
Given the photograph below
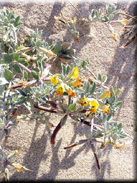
x=84 y=101
x=75 y=73
x=56 y=18
x=73 y=21
x=54 y=80
x=124 y=21
x=114 y=36
x=77 y=83
x=71 y=93
x=60 y=90
x=94 y=105
x=19 y=167
x=16 y=152
x=106 y=109
x=119 y=146
x=105 y=95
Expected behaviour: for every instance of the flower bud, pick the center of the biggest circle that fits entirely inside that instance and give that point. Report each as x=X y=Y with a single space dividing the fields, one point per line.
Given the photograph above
x=53 y=104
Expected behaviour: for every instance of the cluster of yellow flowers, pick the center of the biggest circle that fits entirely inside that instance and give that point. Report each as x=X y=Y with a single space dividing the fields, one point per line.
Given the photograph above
x=95 y=103
x=72 y=79
x=75 y=81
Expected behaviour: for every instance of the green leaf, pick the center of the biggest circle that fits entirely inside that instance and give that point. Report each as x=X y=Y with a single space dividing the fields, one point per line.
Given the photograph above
x=84 y=63
x=16 y=20
x=2 y=124
x=67 y=57
x=99 y=13
x=25 y=75
x=117 y=103
x=19 y=23
x=63 y=120
x=109 y=116
x=10 y=50
x=21 y=92
x=21 y=60
x=109 y=9
x=93 y=88
x=119 y=125
x=16 y=68
x=43 y=63
x=87 y=87
x=63 y=69
x=68 y=69
x=7 y=58
x=104 y=79
x=58 y=48
x=34 y=74
x=15 y=57
x=6 y=131
x=106 y=126
x=112 y=91
x=118 y=92
x=71 y=108
x=8 y=74
x=92 y=12
x=111 y=17
x=99 y=77
x=38 y=43
x=105 y=19
x=20 y=102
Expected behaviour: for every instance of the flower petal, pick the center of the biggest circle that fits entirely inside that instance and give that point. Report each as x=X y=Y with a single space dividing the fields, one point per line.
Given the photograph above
x=54 y=80
x=84 y=101
x=77 y=83
x=60 y=90
x=75 y=73
x=71 y=93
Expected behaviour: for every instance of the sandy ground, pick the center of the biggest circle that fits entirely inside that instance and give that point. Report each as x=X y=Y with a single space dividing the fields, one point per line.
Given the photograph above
x=50 y=162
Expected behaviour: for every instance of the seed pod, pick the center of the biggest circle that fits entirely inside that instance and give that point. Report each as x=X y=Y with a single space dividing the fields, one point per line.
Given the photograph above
x=25 y=49
x=49 y=53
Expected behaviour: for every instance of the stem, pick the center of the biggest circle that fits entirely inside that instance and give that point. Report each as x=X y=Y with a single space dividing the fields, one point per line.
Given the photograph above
x=127 y=15
x=21 y=65
x=92 y=73
x=69 y=100
x=5 y=99
x=76 y=9
x=95 y=155
x=92 y=123
x=99 y=127
x=96 y=81
x=75 y=144
x=44 y=108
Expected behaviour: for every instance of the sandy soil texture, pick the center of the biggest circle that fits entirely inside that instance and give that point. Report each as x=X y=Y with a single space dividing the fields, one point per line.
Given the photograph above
x=50 y=162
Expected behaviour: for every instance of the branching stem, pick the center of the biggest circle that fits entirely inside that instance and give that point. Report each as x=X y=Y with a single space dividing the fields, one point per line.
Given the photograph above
x=21 y=65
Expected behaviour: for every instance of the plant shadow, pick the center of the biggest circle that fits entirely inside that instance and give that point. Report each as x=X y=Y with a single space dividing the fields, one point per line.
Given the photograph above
x=123 y=68
x=33 y=157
